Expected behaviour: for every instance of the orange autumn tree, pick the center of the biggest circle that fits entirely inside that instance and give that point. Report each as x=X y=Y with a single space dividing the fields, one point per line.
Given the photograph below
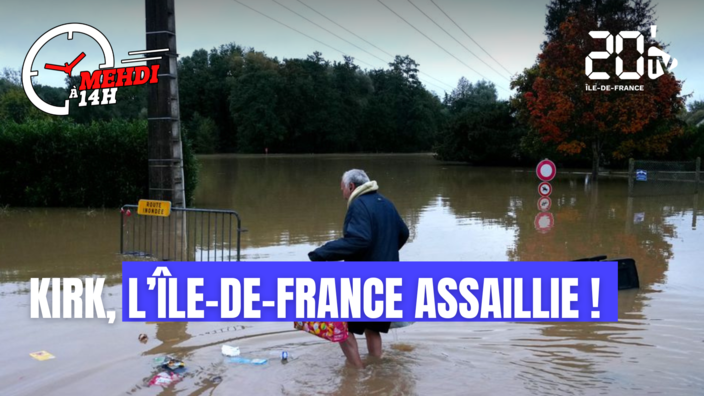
x=554 y=100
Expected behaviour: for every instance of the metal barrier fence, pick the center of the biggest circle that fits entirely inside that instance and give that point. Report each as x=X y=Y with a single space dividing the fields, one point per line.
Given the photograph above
x=663 y=177
x=187 y=234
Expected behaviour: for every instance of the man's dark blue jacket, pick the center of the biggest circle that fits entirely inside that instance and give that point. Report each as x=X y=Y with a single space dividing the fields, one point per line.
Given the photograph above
x=373 y=231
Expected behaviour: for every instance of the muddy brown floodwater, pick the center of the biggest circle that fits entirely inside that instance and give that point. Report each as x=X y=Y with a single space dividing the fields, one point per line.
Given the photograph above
x=291 y=204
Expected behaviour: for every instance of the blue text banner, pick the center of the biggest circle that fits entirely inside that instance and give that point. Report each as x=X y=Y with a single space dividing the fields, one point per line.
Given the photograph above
x=370 y=291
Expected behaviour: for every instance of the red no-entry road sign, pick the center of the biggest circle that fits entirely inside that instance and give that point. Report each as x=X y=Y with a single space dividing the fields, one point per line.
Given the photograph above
x=544 y=222
x=546 y=170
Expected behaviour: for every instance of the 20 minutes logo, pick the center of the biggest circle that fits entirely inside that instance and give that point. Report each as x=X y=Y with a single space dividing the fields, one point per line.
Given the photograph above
x=106 y=80
x=653 y=52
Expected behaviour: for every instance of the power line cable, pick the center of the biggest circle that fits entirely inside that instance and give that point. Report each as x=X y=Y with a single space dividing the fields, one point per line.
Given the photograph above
x=470 y=37
x=349 y=31
x=299 y=32
x=314 y=39
x=361 y=38
x=438 y=45
x=348 y=42
x=458 y=42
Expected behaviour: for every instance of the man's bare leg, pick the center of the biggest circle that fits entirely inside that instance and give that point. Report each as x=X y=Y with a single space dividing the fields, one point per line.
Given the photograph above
x=373 y=342
x=351 y=351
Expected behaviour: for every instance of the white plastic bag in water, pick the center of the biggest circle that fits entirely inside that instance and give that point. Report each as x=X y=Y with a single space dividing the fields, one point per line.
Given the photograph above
x=230 y=350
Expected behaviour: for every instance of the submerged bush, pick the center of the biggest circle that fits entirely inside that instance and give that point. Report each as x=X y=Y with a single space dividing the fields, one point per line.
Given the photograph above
x=55 y=162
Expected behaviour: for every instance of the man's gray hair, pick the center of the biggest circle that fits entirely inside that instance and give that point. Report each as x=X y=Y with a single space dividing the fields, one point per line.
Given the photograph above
x=356 y=176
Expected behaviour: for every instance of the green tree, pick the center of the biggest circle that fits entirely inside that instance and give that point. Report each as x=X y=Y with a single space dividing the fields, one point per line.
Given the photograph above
x=253 y=103
x=695 y=115
x=13 y=77
x=480 y=129
x=205 y=86
x=202 y=133
x=402 y=116
x=352 y=90
x=15 y=106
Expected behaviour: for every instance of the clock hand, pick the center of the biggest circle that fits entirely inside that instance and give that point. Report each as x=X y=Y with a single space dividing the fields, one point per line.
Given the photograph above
x=78 y=58
x=66 y=68
x=49 y=66
x=75 y=62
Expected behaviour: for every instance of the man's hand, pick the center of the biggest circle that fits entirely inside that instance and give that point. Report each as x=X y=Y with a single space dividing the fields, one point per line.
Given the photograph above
x=313 y=256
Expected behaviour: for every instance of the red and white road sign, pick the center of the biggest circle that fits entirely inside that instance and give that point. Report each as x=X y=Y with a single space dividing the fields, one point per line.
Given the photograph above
x=546 y=170
x=544 y=189
x=544 y=222
x=544 y=204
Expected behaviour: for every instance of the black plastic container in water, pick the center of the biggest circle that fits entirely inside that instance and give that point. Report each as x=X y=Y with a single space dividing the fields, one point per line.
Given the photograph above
x=627 y=274
x=627 y=271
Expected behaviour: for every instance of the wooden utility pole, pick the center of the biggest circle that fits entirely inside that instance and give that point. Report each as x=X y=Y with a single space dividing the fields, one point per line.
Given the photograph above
x=166 y=181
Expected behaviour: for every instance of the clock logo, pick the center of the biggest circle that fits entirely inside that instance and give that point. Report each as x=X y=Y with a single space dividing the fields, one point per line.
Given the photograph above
x=106 y=80
x=69 y=29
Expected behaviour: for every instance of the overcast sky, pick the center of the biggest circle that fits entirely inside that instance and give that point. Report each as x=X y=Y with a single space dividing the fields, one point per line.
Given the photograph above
x=511 y=31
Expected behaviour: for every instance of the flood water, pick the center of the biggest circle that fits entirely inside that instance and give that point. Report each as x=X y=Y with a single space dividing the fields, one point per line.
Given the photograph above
x=292 y=204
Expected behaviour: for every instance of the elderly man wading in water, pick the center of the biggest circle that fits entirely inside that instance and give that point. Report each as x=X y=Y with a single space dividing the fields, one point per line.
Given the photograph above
x=373 y=231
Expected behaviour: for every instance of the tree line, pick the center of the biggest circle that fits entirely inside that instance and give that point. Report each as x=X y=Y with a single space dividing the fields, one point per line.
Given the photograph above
x=237 y=99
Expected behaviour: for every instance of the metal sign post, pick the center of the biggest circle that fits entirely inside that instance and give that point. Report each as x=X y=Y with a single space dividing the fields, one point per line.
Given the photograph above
x=546 y=171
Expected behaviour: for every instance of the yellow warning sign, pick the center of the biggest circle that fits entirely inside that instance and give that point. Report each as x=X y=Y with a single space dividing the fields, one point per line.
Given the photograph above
x=154 y=208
